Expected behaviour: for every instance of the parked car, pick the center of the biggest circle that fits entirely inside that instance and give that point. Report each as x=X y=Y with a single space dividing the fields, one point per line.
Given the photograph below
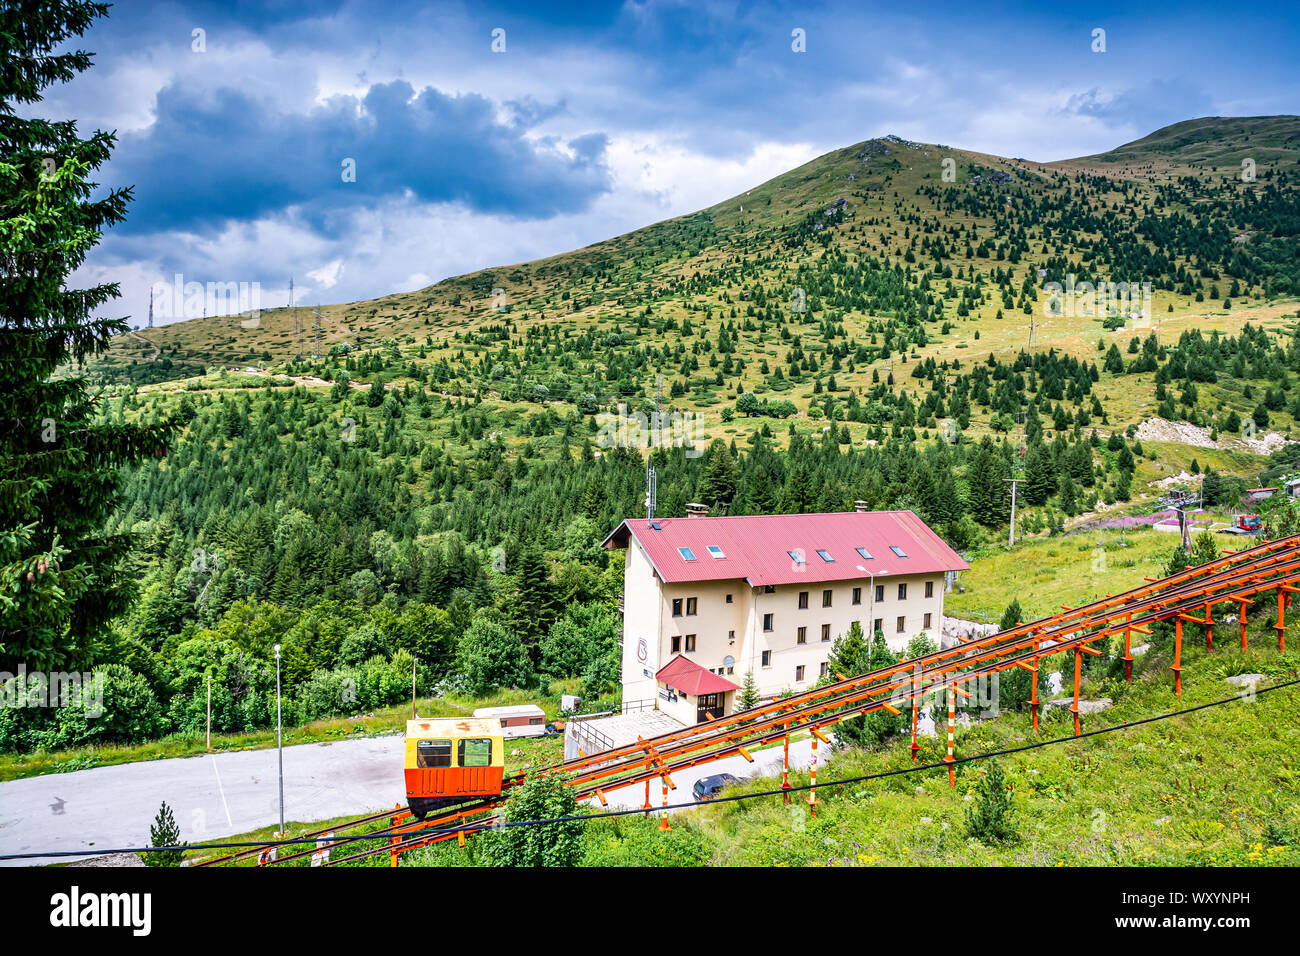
x=708 y=788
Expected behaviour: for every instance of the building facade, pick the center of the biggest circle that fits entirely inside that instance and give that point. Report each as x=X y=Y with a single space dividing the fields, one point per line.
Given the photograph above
x=767 y=595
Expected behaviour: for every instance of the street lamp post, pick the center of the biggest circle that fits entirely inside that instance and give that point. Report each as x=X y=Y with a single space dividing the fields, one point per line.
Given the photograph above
x=871 y=602
x=279 y=735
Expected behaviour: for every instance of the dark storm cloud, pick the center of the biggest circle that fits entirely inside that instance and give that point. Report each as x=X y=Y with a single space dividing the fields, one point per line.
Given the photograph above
x=220 y=155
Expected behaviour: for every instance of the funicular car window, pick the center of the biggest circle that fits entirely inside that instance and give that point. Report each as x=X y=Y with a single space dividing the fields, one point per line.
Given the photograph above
x=432 y=753
x=476 y=752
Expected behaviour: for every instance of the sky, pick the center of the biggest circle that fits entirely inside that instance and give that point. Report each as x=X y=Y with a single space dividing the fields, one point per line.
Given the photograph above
x=365 y=148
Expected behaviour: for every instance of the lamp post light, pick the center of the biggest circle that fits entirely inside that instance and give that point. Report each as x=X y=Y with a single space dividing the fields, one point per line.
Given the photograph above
x=871 y=602
x=279 y=736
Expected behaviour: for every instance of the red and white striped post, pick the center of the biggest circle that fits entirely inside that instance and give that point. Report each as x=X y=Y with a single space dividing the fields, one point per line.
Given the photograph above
x=952 y=734
x=812 y=775
x=663 y=823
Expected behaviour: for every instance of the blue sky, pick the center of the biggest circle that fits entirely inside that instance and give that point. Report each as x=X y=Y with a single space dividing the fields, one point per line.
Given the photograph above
x=593 y=120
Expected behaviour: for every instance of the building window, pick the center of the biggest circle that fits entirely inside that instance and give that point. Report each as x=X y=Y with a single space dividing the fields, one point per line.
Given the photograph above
x=902 y=624
x=826 y=632
x=690 y=643
x=731 y=637
x=824 y=669
x=857 y=595
x=803 y=600
x=769 y=588
x=929 y=589
x=879 y=626
x=692 y=606
x=728 y=598
x=798 y=673
x=880 y=592
x=825 y=556
x=902 y=593
x=767 y=621
x=801 y=636
x=926 y=625
x=686 y=553
x=677 y=644
x=826 y=597
x=767 y=658
x=677 y=607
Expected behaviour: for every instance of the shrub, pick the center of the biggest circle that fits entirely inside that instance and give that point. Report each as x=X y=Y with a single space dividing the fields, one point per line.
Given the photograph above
x=990 y=819
x=551 y=844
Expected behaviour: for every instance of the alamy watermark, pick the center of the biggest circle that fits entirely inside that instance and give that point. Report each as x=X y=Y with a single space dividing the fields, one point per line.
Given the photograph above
x=53 y=689
x=179 y=299
x=656 y=430
x=1075 y=299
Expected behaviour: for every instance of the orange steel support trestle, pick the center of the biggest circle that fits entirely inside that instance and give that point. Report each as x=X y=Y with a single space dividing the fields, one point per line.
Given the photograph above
x=785 y=767
x=1177 y=666
x=1078 y=673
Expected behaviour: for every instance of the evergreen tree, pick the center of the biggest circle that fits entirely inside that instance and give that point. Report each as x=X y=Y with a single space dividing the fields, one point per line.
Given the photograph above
x=748 y=692
x=164 y=832
x=537 y=602
x=62 y=576
x=991 y=818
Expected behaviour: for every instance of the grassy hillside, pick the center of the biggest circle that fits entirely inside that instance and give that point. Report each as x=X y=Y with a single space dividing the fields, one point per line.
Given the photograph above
x=437 y=485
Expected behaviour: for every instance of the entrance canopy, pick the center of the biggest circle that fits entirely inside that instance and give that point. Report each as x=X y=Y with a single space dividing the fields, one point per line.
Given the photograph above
x=688 y=677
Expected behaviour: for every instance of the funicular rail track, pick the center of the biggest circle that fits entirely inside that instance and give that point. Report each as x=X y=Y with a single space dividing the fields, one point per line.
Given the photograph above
x=1238 y=578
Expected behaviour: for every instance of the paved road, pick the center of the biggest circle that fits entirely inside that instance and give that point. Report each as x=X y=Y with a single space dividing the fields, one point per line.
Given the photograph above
x=219 y=795
x=212 y=796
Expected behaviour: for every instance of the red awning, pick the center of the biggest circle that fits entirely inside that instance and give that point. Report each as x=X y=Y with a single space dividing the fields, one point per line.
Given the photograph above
x=692 y=679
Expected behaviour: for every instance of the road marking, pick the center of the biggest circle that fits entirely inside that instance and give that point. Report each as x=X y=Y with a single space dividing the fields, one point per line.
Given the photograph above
x=222 y=791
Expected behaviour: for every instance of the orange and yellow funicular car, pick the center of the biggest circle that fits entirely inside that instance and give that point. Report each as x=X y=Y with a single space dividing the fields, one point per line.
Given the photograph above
x=452 y=760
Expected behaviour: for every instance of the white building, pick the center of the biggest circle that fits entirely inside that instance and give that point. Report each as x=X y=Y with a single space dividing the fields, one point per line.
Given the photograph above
x=706 y=600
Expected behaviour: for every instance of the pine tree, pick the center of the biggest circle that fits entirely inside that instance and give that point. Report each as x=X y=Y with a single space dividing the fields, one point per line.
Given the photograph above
x=537 y=602
x=748 y=692
x=164 y=832
x=991 y=819
x=62 y=577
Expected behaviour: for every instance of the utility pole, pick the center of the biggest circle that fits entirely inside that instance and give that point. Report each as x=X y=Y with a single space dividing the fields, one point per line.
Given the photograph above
x=413 y=714
x=209 y=713
x=279 y=735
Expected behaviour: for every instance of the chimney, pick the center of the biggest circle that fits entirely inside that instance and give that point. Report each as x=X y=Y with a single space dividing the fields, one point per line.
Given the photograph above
x=696 y=510
x=860 y=506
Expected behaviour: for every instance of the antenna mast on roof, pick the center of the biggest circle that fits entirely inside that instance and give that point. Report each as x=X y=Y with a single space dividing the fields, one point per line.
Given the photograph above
x=150 y=307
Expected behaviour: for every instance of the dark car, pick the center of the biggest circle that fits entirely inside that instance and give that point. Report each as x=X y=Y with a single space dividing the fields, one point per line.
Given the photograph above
x=708 y=788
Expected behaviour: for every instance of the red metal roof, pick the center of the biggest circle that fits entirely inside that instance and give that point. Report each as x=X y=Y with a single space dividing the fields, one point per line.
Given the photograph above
x=756 y=547
x=690 y=678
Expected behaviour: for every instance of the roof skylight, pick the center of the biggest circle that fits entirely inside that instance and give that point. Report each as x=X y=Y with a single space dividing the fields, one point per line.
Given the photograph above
x=716 y=551
x=825 y=555
x=686 y=553
x=866 y=555
x=898 y=551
